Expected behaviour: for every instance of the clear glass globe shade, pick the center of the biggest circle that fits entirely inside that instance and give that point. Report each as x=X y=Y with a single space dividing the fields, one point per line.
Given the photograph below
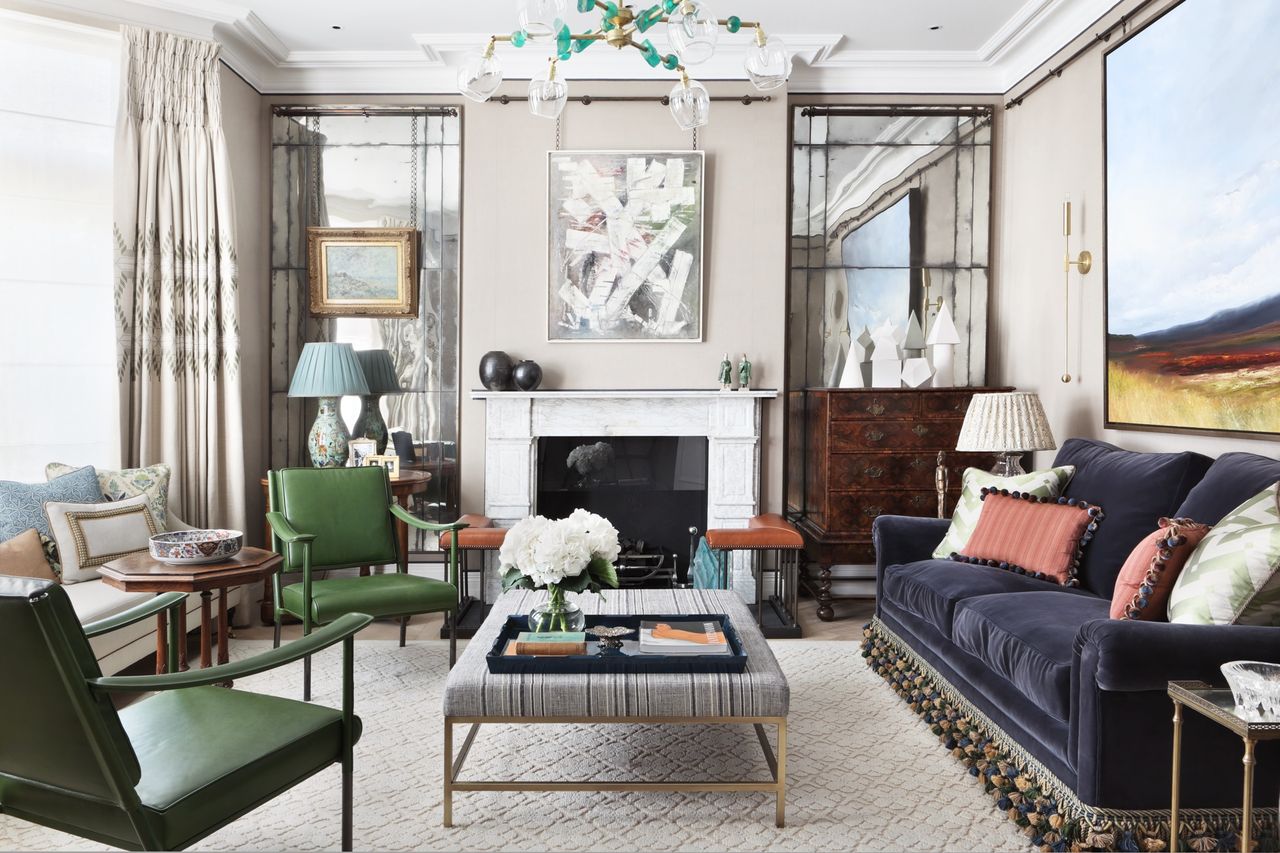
x=547 y=96
x=692 y=30
x=479 y=77
x=768 y=65
x=690 y=105
x=539 y=18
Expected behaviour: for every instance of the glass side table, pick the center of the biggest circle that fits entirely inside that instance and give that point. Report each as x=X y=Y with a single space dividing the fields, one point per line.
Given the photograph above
x=1217 y=704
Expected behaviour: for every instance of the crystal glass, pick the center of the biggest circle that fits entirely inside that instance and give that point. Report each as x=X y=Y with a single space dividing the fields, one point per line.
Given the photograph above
x=479 y=77
x=692 y=30
x=557 y=613
x=1254 y=685
x=768 y=65
x=690 y=105
x=540 y=18
x=547 y=95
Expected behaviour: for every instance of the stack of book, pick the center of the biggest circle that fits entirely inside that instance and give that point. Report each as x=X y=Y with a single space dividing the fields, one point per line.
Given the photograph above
x=682 y=638
x=548 y=643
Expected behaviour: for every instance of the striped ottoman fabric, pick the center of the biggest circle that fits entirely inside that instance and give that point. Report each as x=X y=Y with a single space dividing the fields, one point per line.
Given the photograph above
x=760 y=691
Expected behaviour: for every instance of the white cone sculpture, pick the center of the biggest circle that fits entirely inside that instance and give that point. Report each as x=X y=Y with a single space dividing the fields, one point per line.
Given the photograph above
x=943 y=339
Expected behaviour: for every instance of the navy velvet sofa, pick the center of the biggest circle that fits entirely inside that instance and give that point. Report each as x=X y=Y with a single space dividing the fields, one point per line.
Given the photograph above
x=1021 y=678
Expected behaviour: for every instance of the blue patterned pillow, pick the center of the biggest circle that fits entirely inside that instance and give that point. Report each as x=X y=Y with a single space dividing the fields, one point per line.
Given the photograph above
x=22 y=504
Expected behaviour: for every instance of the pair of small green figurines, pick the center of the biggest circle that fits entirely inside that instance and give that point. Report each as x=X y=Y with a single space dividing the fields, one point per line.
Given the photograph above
x=744 y=374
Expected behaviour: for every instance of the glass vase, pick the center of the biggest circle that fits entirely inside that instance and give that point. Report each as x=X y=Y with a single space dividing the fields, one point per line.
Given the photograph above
x=557 y=613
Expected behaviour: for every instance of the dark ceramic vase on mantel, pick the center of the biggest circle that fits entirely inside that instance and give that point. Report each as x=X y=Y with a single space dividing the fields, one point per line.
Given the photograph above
x=495 y=370
x=527 y=375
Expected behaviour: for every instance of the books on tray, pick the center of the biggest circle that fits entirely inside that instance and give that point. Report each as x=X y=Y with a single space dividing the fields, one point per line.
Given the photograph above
x=682 y=638
x=548 y=643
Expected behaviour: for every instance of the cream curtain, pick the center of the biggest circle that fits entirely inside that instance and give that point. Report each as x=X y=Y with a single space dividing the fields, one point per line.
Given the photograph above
x=177 y=307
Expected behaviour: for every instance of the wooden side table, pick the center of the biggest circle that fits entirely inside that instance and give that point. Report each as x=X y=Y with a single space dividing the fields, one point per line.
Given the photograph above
x=408 y=483
x=1218 y=705
x=142 y=573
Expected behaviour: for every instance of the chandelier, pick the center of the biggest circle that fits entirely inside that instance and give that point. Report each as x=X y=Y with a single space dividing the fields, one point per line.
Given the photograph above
x=691 y=30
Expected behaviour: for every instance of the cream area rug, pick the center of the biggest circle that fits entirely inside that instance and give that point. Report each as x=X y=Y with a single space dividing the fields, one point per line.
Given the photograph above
x=863 y=773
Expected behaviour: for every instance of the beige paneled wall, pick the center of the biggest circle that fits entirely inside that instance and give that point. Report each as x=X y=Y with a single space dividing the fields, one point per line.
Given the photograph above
x=1052 y=145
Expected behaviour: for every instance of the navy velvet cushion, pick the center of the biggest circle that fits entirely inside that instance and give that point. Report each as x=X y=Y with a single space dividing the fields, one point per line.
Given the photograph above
x=930 y=589
x=1135 y=490
x=1232 y=479
x=1028 y=639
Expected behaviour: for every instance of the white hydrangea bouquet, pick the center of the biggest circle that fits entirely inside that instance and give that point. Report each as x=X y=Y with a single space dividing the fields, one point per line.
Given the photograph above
x=574 y=554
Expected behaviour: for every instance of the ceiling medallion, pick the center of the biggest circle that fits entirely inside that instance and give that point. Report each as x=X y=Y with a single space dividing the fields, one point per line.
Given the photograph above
x=691 y=31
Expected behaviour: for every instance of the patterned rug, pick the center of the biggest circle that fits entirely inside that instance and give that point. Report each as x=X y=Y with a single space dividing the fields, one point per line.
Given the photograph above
x=863 y=774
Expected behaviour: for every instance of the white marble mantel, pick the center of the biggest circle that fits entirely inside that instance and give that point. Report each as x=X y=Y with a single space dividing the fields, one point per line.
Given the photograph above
x=730 y=420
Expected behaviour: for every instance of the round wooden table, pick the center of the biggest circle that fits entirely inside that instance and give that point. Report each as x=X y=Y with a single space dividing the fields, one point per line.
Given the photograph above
x=141 y=572
x=408 y=482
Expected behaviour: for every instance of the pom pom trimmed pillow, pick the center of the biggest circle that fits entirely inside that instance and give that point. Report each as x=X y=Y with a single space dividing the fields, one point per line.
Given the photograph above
x=1042 y=484
x=1030 y=535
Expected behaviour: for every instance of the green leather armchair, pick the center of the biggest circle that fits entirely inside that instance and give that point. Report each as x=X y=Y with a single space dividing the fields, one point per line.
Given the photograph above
x=341 y=518
x=167 y=770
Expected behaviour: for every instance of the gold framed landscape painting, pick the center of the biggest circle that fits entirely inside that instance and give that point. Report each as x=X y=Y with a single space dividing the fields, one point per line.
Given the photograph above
x=363 y=272
x=1193 y=222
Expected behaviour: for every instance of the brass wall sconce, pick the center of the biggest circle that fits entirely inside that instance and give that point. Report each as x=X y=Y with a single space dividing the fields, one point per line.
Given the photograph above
x=1083 y=262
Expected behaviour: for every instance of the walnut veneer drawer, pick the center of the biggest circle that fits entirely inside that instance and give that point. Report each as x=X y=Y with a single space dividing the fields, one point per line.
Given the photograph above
x=937 y=434
x=853 y=471
x=869 y=405
x=857 y=510
x=952 y=404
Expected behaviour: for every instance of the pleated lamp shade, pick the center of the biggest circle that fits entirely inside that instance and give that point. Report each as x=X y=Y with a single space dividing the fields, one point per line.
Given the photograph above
x=328 y=370
x=1005 y=423
x=379 y=371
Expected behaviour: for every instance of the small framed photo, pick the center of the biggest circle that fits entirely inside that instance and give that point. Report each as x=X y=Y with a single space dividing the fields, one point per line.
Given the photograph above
x=361 y=449
x=391 y=463
x=363 y=272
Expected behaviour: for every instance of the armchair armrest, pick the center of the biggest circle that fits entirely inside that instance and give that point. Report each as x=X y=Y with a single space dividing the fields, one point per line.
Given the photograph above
x=285 y=532
x=413 y=521
x=135 y=614
x=906 y=539
x=340 y=629
x=1132 y=655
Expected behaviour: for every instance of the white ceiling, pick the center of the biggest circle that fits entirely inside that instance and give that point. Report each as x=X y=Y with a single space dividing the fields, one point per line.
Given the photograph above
x=404 y=46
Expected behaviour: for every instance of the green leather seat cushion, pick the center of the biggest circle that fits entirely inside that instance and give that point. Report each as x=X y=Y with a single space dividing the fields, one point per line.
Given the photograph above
x=209 y=752
x=391 y=594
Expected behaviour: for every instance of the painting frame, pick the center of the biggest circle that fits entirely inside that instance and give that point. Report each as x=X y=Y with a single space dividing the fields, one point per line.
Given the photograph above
x=693 y=299
x=1112 y=402
x=360 y=449
x=326 y=300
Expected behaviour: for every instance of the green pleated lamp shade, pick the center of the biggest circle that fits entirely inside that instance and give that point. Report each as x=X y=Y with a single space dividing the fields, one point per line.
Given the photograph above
x=379 y=371
x=328 y=370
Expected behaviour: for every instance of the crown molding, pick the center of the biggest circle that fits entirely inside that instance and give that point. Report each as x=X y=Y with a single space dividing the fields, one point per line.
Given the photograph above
x=824 y=62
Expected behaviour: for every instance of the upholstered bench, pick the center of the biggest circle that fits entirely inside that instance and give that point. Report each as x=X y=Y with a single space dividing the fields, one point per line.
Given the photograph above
x=765 y=533
x=479 y=536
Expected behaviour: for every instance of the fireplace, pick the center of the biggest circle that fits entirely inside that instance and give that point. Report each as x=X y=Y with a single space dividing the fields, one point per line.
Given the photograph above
x=652 y=488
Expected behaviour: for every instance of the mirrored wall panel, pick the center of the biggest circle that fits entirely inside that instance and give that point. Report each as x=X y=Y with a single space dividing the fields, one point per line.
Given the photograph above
x=890 y=216
x=345 y=167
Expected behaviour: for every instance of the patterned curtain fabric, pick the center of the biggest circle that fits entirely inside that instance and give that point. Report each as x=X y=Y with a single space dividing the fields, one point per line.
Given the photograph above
x=177 y=308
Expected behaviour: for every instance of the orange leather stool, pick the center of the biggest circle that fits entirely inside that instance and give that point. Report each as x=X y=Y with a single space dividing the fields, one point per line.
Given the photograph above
x=479 y=536
x=765 y=533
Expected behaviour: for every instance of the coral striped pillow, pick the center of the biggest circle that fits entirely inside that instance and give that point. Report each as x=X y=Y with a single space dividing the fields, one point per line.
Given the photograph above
x=1040 y=537
x=1142 y=588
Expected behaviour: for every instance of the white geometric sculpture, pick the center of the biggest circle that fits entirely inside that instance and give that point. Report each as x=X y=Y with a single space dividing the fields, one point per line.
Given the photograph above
x=943 y=340
x=886 y=361
x=916 y=372
x=857 y=366
x=913 y=341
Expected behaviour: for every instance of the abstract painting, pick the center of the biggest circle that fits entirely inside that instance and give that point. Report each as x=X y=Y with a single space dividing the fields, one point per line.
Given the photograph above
x=363 y=272
x=1193 y=221
x=625 y=260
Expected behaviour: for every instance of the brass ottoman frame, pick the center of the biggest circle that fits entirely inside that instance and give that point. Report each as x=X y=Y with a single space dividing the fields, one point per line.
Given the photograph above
x=777 y=784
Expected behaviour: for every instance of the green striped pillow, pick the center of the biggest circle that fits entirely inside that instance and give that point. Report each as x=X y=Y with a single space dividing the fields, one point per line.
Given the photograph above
x=1042 y=484
x=1233 y=576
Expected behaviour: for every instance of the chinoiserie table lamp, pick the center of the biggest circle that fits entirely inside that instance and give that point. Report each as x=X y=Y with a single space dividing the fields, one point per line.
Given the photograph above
x=1007 y=425
x=328 y=371
x=380 y=373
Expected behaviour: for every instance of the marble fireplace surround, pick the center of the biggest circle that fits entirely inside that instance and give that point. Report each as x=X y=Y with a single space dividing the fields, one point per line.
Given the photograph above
x=730 y=421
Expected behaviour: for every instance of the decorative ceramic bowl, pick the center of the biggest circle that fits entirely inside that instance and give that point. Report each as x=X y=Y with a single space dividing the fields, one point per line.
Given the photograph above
x=190 y=547
x=1254 y=684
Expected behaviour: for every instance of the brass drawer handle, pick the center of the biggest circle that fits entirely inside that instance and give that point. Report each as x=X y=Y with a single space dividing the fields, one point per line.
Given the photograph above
x=874 y=435
x=920 y=462
x=872 y=511
x=875 y=472
x=875 y=407
x=920 y=430
x=919 y=500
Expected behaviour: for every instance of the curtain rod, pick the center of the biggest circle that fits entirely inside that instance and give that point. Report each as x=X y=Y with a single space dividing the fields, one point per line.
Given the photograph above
x=1056 y=72
x=370 y=110
x=665 y=100
x=887 y=110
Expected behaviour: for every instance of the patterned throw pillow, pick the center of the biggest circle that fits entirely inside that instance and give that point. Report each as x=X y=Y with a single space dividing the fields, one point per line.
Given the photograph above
x=1040 y=537
x=1233 y=577
x=22 y=504
x=152 y=481
x=89 y=535
x=1145 y=579
x=1043 y=484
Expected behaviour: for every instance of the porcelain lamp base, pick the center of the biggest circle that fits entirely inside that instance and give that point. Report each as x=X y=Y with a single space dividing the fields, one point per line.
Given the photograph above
x=370 y=423
x=328 y=438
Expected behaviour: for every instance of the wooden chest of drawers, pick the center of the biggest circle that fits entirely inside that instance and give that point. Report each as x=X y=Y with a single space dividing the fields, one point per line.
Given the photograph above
x=855 y=454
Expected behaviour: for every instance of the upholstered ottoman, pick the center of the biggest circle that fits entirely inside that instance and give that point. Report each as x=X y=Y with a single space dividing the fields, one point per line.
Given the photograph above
x=759 y=696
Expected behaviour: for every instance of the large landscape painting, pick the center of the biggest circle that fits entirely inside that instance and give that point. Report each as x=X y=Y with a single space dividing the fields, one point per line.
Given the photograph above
x=1193 y=220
